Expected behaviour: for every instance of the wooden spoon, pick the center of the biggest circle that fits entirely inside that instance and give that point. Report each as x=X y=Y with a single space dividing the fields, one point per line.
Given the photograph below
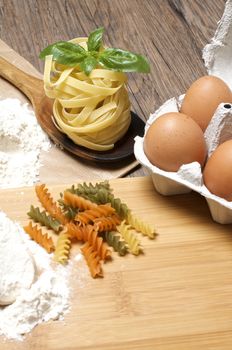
x=33 y=88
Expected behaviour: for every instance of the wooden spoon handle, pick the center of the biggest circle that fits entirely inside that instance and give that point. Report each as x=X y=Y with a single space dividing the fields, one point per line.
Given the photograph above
x=28 y=84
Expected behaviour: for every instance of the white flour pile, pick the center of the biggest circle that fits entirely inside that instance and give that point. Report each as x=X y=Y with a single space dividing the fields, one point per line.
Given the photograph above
x=21 y=141
x=45 y=299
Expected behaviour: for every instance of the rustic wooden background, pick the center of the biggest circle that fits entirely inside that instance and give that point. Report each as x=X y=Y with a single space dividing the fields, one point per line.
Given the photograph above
x=171 y=33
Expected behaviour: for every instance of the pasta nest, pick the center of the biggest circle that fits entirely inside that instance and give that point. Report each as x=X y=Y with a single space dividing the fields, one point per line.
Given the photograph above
x=93 y=111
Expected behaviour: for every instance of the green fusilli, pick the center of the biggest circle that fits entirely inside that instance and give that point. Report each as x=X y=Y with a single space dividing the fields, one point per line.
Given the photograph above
x=90 y=189
x=114 y=239
x=44 y=219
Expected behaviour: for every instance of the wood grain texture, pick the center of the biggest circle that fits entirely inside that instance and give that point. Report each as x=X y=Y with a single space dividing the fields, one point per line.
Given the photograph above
x=171 y=33
x=177 y=295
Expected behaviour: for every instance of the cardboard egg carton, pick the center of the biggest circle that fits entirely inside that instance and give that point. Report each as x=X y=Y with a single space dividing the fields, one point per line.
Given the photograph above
x=217 y=57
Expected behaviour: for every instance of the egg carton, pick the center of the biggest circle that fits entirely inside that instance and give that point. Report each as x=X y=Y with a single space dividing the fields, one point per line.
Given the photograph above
x=217 y=58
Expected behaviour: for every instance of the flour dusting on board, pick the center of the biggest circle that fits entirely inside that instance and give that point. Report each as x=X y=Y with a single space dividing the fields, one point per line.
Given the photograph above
x=48 y=296
x=21 y=141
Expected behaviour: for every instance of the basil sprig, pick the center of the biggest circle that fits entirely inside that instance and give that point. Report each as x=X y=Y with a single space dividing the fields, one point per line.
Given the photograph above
x=65 y=53
x=124 y=61
x=71 y=54
x=95 y=39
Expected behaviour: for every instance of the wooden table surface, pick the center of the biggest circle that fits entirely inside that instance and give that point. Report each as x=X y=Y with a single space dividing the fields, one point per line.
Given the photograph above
x=171 y=33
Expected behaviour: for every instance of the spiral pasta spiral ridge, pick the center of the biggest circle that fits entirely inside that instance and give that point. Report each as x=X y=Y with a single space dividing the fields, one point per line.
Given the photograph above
x=78 y=202
x=90 y=215
x=41 y=238
x=90 y=189
x=44 y=219
x=104 y=196
x=63 y=247
x=107 y=223
x=130 y=238
x=47 y=202
x=93 y=261
x=141 y=226
x=115 y=240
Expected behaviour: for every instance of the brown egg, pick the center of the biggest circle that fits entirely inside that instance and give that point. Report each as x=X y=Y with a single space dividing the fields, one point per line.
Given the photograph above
x=174 y=139
x=203 y=97
x=217 y=174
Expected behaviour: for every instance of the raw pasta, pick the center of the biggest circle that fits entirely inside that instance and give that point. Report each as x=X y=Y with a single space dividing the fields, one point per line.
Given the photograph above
x=44 y=219
x=101 y=193
x=85 y=189
x=114 y=239
x=63 y=247
x=140 y=226
x=88 y=216
x=104 y=196
x=95 y=217
x=91 y=236
x=78 y=202
x=130 y=238
x=100 y=247
x=67 y=209
x=89 y=233
x=48 y=203
x=42 y=239
x=75 y=231
x=121 y=208
x=94 y=110
x=106 y=223
x=93 y=261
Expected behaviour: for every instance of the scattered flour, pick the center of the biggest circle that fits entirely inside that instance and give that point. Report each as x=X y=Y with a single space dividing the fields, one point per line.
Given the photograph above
x=36 y=290
x=48 y=296
x=17 y=266
x=21 y=141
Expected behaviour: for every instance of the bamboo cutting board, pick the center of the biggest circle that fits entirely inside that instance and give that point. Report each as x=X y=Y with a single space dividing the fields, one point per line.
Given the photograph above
x=175 y=296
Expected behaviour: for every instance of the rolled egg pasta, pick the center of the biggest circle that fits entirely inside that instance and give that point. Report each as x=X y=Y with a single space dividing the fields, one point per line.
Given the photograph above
x=93 y=111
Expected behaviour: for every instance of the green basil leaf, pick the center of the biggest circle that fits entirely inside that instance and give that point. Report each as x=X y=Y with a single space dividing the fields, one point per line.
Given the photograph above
x=65 y=53
x=48 y=50
x=88 y=64
x=123 y=61
x=95 y=39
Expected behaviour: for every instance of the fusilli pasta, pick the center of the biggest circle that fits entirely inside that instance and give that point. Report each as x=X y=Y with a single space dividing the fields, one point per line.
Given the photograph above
x=85 y=189
x=42 y=239
x=93 y=261
x=78 y=202
x=114 y=239
x=100 y=247
x=130 y=238
x=63 y=247
x=88 y=216
x=44 y=219
x=108 y=223
x=140 y=225
x=103 y=196
x=67 y=209
x=74 y=231
x=91 y=214
x=47 y=202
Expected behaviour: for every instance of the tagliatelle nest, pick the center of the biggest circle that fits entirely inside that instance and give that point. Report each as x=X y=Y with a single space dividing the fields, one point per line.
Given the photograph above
x=93 y=111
